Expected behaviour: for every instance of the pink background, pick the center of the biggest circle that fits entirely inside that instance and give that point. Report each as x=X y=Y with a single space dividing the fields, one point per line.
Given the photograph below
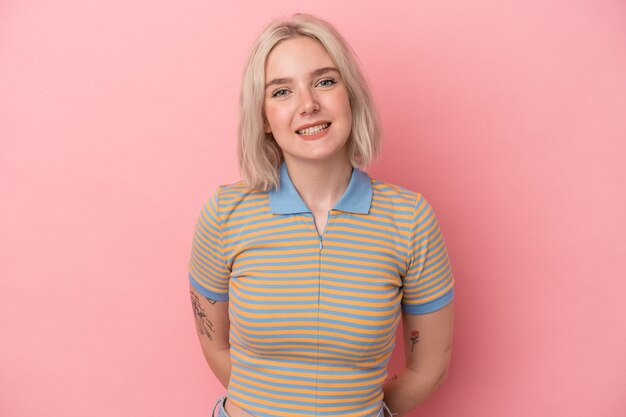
x=118 y=119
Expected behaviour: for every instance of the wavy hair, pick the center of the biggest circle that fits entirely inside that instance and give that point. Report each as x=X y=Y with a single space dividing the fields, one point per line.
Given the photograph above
x=259 y=154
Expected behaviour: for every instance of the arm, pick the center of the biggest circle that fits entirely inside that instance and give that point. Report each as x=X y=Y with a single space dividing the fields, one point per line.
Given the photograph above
x=212 y=325
x=427 y=355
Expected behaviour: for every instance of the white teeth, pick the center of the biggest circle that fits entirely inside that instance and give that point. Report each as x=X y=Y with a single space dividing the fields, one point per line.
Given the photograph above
x=313 y=129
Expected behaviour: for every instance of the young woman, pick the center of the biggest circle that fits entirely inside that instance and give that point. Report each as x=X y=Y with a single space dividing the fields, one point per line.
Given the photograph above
x=301 y=272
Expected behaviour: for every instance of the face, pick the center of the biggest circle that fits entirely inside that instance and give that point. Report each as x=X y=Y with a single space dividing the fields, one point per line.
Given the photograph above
x=306 y=104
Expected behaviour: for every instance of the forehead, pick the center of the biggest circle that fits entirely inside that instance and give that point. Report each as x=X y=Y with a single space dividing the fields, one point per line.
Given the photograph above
x=296 y=56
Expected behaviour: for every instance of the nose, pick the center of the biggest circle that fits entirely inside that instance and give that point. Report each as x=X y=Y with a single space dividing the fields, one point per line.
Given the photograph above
x=308 y=102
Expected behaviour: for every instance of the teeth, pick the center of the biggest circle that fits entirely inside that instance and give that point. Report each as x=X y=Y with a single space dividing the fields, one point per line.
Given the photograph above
x=313 y=129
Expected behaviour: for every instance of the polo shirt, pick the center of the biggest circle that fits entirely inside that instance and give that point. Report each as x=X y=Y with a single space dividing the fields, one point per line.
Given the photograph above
x=313 y=317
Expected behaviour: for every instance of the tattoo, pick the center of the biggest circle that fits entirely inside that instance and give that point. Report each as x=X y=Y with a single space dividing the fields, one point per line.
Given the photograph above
x=415 y=337
x=392 y=378
x=210 y=300
x=203 y=324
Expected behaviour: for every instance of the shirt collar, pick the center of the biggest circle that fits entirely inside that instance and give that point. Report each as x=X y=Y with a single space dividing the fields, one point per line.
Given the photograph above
x=356 y=199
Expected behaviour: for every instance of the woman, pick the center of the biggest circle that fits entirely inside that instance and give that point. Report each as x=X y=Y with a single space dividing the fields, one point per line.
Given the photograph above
x=301 y=272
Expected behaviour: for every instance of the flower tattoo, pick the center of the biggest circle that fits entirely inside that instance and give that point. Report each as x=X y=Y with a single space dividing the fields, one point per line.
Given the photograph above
x=415 y=337
x=205 y=327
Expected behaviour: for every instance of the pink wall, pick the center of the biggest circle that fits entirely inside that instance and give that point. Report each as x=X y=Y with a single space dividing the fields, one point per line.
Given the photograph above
x=117 y=119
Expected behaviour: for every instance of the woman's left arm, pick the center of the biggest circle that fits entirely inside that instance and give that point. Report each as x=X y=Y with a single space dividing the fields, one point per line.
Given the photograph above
x=428 y=346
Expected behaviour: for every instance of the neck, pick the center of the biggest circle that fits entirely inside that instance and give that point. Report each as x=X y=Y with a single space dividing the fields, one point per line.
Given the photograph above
x=320 y=184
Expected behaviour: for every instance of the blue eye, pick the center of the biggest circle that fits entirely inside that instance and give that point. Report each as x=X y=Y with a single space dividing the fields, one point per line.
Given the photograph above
x=281 y=92
x=327 y=82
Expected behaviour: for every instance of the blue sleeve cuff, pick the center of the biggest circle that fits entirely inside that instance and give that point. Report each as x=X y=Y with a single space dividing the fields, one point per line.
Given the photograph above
x=429 y=307
x=208 y=294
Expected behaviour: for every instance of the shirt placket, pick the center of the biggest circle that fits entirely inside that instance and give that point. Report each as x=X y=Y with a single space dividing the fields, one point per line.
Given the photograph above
x=320 y=264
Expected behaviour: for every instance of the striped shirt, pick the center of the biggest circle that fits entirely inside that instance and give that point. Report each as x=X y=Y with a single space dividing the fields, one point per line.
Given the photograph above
x=313 y=317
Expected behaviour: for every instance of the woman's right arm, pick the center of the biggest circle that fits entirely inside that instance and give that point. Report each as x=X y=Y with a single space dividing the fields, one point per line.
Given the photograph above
x=212 y=325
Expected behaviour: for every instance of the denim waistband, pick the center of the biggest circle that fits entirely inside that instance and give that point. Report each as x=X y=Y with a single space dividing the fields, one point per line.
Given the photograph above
x=221 y=411
x=219 y=406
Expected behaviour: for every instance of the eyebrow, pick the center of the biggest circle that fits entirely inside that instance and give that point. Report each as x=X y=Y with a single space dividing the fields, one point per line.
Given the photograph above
x=315 y=73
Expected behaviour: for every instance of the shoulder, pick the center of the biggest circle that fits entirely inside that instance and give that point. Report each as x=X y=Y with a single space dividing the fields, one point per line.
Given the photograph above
x=401 y=202
x=230 y=197
x=236 y=190
x=388 y=193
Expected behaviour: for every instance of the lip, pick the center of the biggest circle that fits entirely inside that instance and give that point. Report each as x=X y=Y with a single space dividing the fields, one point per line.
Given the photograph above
x=315 y=136
x=321 y=122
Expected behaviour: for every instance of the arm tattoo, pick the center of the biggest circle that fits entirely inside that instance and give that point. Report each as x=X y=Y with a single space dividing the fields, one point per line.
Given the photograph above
x=415 y=337
x=203 y=324
x=392 y=378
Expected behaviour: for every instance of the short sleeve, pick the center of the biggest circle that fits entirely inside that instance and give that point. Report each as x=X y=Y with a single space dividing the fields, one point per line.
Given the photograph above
x=208 y=272
x=428 y=283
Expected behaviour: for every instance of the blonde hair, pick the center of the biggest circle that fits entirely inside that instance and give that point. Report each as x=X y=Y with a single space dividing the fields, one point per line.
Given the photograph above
x=259 y=154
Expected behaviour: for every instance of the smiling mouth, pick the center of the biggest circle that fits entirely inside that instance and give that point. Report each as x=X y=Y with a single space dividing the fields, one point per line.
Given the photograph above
x=313 y=129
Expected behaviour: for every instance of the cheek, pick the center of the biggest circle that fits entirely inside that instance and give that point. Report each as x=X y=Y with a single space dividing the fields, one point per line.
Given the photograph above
x=274 y=118
x=344 y=108
x=267 y=117
x=341 y=105
x=348 y=111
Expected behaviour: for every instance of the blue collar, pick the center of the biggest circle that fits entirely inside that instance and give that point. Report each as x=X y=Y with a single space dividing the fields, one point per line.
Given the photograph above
x=356 y=199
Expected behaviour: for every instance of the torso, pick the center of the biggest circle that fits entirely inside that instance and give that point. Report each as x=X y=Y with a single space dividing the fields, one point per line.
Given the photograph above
x=307 y=309
x=234 y=410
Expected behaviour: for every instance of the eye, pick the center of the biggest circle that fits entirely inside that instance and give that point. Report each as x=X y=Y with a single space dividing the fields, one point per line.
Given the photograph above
x=326 y=82
x=280 y=92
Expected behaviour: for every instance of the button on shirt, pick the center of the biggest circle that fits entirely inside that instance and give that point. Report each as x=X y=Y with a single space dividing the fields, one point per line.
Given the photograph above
x=313 y=317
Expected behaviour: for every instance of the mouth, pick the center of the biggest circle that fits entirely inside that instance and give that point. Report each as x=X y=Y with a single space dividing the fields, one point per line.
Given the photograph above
x=312 y=130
